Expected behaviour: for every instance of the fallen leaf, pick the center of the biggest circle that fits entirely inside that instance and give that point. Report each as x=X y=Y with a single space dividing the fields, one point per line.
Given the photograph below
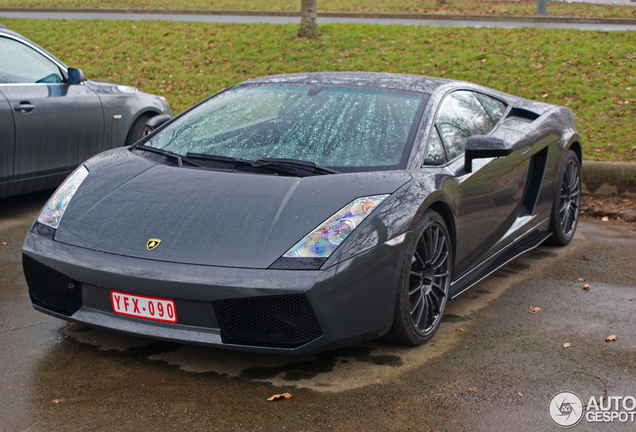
x=56 y=400
x=579 y=280
x=605 y=218
x=459 y=329
x=611 y=338
x=520 y=394
x=534 y=309
x=584 y=258
x=472 y=389
x=586 y=287
x=280 y=396
x=567 y=345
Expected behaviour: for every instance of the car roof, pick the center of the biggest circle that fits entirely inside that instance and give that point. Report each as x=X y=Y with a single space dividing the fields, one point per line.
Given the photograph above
x=357 y=79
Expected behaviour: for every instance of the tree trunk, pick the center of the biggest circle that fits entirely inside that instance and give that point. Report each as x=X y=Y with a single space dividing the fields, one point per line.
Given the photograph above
x=308 y=24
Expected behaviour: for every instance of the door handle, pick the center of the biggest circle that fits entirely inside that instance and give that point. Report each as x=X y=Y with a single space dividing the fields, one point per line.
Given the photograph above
x=24 y=107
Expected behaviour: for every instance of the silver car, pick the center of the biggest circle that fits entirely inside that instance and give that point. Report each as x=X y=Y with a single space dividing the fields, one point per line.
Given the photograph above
x=52 y=119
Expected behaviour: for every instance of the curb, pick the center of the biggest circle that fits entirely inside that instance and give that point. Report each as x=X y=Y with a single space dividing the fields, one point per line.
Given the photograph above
x=448 y=17
x=608 y=178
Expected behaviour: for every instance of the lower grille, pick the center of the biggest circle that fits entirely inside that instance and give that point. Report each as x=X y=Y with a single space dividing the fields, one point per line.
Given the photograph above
x=285 y=321
x=51 y=289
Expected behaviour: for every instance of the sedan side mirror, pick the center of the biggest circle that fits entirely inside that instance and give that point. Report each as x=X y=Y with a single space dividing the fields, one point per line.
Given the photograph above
x=481 y=146
x=75 y=76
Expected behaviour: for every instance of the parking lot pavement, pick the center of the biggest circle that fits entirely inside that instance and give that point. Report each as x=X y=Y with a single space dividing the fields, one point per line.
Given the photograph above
x=492 y=366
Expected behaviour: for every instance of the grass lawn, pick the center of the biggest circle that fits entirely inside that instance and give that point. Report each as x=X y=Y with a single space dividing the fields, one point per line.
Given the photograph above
x=478 y=7
x=592 y=72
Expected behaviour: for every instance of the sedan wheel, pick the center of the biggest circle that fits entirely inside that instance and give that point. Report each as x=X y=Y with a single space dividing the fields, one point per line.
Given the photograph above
x=567 y=202
x=425 y=284
x=138 y=130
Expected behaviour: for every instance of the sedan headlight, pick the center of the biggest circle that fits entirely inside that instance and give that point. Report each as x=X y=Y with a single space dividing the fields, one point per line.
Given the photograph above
x=53 y=211
x=322 y=241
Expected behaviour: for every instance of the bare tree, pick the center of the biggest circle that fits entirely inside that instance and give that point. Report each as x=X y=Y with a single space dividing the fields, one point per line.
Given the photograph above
x=308 y=24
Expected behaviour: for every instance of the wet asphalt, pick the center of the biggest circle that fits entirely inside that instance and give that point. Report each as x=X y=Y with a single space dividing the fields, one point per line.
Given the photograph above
x=493 y=366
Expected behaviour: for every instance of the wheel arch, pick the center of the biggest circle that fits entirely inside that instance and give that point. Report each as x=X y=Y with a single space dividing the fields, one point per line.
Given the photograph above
x=446 y=213
x=576 y=147
x=148 y=113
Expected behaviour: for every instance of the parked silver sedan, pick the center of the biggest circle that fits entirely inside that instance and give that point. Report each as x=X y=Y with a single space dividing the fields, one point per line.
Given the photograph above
x=52 y=119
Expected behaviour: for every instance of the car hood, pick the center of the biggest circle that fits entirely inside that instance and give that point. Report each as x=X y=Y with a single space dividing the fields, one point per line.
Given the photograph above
x=104 y=87
x=205 y=217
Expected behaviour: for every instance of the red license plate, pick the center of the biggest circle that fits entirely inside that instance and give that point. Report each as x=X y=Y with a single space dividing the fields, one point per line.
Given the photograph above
x=151 y=308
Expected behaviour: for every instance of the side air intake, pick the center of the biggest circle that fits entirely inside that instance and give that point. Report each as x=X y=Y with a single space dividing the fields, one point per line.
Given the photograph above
x=535 y=179
x=522 y=114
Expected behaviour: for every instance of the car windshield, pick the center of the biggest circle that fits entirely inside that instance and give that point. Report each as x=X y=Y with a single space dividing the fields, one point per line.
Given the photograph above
x=343 y=128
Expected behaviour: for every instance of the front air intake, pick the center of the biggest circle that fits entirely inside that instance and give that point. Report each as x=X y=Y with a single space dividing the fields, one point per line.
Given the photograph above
x=51 y=289
x=285 y=321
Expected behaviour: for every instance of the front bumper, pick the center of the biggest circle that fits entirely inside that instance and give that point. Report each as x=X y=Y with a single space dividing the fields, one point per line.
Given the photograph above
x=260 y=310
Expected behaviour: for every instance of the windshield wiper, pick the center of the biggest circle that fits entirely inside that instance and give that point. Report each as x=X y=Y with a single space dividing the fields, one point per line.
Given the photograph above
x=180 y=159
x=294 y=164
x=216 y=158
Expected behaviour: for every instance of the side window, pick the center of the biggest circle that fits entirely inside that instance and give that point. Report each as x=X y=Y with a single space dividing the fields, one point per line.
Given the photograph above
x=462 y=115
x=494 y=107
x=435 y=153
x=21 y=64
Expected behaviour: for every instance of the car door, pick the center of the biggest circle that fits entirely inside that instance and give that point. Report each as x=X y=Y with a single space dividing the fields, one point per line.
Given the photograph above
x=57 y=125
x=489 y=195
x=7 y=142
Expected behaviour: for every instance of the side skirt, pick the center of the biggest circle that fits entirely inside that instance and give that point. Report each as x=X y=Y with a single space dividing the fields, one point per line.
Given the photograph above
x=529 y=241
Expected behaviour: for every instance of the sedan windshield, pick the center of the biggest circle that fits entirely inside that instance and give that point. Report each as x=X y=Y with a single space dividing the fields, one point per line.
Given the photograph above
x=342 y=128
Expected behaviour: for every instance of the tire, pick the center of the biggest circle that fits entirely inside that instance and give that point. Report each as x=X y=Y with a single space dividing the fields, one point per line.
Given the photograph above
x=138 y=130
x=424 y=284
x=567 y=201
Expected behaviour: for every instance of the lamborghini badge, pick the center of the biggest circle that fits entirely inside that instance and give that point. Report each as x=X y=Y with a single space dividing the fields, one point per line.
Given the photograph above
x=152 y=243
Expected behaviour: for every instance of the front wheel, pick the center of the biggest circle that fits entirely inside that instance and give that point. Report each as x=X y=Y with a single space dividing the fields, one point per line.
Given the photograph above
x=138 y=130
x=567 y=201
x=424 y=285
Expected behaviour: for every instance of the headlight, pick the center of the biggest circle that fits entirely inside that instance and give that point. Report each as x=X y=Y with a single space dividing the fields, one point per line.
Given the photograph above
x=322 y=241
x=53 y=211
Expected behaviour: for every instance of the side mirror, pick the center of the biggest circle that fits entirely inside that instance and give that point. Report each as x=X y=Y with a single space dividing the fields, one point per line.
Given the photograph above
x=156 y=121
x=481 y=146
x=75 y=76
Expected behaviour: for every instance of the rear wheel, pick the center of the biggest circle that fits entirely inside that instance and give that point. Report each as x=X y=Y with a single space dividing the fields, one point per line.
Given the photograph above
x=567 y=202
x=139 y=129
x=424 y=285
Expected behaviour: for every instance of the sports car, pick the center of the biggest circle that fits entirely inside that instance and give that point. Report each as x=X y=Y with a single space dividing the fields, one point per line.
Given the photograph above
x=306 y=212
x=52 y=118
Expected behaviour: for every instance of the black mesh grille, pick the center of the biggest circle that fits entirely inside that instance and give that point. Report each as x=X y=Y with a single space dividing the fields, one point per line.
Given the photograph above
x=50 y=289
x=537 y=169
x=286 y=321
